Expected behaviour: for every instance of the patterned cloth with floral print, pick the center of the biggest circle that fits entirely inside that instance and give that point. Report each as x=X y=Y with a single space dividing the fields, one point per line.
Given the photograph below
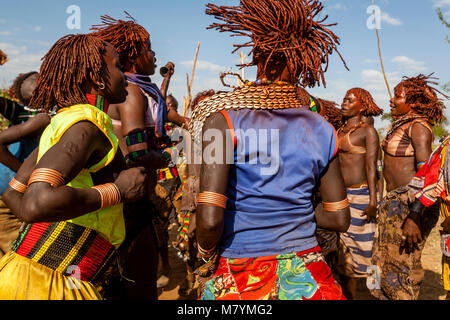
x=296 y=276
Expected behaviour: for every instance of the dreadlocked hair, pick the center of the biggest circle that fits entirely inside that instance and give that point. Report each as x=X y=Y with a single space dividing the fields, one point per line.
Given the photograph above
x=200 y=96
x=370 y=108
x=73 y=61
x=17 y=85
x=127 y=37
x=331 y=112
x=282 y=30
x=422 y=96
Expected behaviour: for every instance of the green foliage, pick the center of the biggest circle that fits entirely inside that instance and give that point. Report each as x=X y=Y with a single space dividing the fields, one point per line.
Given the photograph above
x=444 y=22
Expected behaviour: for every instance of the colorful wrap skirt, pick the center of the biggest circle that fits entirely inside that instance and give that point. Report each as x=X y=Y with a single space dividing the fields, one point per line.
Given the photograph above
x=355 y=247
x=55 y=261
x=296 y=276
x=398 y=275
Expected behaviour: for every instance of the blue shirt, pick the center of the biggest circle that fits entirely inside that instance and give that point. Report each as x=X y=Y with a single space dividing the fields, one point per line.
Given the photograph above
x=278 y=160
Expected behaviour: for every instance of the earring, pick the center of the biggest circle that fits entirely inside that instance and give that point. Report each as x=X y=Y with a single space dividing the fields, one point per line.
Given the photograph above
x=102 y=86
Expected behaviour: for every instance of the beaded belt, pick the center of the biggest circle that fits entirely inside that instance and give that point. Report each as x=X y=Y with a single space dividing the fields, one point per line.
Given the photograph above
x=66 y=248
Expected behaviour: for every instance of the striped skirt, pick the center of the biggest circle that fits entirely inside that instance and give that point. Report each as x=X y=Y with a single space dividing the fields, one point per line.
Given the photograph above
x=355 y=247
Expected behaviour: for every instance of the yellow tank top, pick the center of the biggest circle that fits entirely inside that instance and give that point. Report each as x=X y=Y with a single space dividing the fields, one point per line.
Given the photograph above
x=108 y=222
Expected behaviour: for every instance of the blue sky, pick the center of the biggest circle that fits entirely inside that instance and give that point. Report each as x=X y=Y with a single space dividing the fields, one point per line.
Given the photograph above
x=412 y=40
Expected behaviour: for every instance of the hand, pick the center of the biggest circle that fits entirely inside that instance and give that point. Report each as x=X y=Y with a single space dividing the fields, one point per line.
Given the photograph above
x=370 y=212
x=412 y=235
x=446 y=225
x=132 y=184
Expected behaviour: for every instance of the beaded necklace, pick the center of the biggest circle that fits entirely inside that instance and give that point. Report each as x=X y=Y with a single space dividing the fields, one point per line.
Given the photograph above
x=98 y=101
x=341 y=129
x=266 y=96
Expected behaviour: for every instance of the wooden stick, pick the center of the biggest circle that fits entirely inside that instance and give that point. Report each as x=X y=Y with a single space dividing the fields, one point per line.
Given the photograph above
x=187 y=101
x=379 y=52
x=241 y=54
x=193 y=68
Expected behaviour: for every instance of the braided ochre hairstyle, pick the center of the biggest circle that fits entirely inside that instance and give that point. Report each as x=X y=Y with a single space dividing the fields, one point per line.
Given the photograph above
x=282 y=30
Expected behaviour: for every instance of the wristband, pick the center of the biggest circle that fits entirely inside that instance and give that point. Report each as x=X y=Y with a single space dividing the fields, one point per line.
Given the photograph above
x=415 y=212
x=109 y=194
x=336 y=206
x=137 y=145
x=18 y=186
x=208 y=198
x=53 y=177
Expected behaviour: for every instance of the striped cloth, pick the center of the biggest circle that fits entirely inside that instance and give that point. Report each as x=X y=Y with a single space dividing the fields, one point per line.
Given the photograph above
x=355 y=247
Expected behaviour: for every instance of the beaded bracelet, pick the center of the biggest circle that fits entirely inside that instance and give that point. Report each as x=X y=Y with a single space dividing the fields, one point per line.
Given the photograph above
x=207 y=255
x=380 y=166
x=335 y=206
x=109 y=194
x=209 y=259
x=420 y=164
x=53 y=177
x=204 y=252
x=208 y=198
x=18 y=186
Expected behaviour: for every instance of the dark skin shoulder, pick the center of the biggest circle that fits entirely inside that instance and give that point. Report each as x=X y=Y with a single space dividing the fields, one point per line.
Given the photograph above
x=132 y=117
x=398 y=171
x=29 y=129
x=132 y=111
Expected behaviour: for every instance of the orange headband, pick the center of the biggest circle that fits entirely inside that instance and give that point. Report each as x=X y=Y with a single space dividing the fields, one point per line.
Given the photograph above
x=208 y=198
x=335 y=206
x=53 y=177
x=18 y=186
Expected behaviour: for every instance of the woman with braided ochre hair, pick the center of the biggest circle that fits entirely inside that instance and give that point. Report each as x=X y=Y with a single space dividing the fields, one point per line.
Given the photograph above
x=72 y=203
x=407 y=146
x=140 y=121
x=255 y=217
x=358 y=147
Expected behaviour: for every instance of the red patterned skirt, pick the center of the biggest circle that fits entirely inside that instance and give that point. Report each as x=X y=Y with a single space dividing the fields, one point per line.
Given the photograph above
x=296 y=276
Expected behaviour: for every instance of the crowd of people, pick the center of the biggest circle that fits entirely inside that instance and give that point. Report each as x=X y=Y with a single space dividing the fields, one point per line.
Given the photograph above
x=276 y=194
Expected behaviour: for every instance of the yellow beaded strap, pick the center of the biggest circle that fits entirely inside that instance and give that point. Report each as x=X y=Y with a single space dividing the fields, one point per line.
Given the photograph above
x=208 y=198
x=335 y=206
x=53 y=177
x=18 y=186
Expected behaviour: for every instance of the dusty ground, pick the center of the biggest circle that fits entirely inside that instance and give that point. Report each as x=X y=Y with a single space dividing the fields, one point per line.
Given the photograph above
x=431 y=260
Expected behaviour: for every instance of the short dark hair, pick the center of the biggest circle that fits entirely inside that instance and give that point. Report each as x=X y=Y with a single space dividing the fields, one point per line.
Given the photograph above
x=17 y=85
